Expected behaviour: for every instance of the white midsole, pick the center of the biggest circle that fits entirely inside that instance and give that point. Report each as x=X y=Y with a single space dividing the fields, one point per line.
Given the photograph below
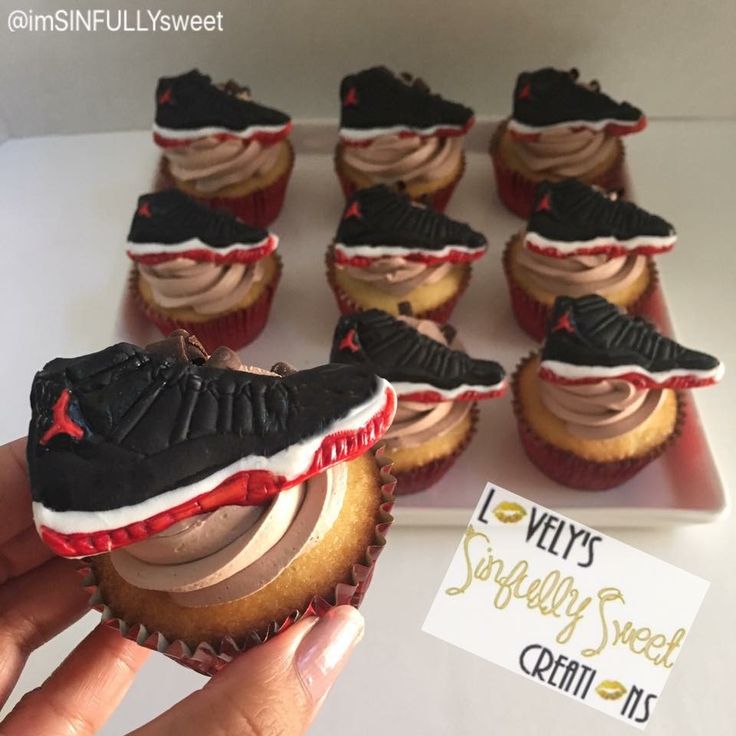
x=387 y=251
x=291 y=463
x=590 y=124
x=564 y=246
x=404 y=388
x=568 y=370
x=367 y=134
x=143 y=249
x=183 y=134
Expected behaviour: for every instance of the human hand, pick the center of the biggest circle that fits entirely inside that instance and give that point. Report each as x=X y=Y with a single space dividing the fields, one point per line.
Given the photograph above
x=274 y=689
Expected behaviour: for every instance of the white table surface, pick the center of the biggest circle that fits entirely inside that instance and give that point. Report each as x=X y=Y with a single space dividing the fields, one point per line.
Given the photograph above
x=65 y=206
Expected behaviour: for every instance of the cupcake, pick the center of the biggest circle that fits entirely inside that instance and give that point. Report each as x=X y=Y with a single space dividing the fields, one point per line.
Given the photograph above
x=560 y=128
x=201 y=269
x=600 y=402
x=215 y=503
x=221 y=147
x=394 y=131
x=437 y=385
x=389 y=251
x=579 y=240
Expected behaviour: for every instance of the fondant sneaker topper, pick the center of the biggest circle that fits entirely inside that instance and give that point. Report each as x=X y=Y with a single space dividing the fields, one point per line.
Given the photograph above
x=590 y=340
x=376 y=102
x=570 y=218
x=190 y=107
x=419 y=368
x=549 y=99
x=380 y=223
x=127 y=441
x=168 y=225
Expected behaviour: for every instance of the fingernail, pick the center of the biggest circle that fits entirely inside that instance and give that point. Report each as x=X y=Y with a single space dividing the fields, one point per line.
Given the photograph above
x=324 y=650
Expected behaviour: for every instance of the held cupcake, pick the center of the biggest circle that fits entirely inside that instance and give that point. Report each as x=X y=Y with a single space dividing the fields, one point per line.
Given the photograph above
x=560 y=128
x=216 y=503
x=579 y=240
x=221 y=147
x=389 y=250
x=600 y=401
x=394 y=131
x=201 y=269
x=437 y=384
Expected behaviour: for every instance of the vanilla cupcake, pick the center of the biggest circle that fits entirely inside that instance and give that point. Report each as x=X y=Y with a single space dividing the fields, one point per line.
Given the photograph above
x=560 y=128
x=389 y=251
x=230 y=509
x=221 y=147
x=599 y=402
x=437 y=383
x=198 y=268
x=393 y=131
x=579 y=240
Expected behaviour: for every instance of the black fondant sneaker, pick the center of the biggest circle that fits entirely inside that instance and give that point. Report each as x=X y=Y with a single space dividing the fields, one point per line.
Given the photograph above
x=570 y=218
x=168 y=225
x=418 y=367
x=381 y=223
x=589 y=340
x=549 y=98
x=189 y=107
x=127 y=441
x=376 y=102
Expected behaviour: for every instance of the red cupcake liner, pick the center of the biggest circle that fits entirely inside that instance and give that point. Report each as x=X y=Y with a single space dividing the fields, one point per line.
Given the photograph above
x=258 y=208
x=234 y=329
x=517 y=192
x=208 y=659
x=531 y=314
x=576 y=472
x=437 y=200
x=441 y=313
x=419 y=479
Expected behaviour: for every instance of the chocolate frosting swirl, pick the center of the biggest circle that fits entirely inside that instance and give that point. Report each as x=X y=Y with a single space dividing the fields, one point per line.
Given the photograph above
x=211 y=164
x=397 y=276
x=565 y=152
x=602 y=410
x=579 y=275
x=390 y=159
x=207 y=288
x=233 y=551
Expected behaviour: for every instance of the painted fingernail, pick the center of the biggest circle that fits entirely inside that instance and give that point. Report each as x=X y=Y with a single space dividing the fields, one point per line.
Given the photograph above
x=325 y=649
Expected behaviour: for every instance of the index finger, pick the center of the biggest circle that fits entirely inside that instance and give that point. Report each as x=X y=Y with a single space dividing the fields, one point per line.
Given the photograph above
x=15 y=491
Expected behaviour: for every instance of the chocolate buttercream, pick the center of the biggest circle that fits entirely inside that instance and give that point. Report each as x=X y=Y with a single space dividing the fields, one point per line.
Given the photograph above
x=390 y=159
x=603 y=410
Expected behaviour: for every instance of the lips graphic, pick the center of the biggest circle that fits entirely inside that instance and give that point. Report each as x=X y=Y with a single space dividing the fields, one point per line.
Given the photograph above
x=509 y=512
x=610 y=689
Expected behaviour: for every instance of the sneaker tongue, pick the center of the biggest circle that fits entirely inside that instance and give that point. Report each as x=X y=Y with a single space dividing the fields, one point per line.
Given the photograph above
x=225 y=358
x=236 y=90
x=413 y=81
x=180 y=347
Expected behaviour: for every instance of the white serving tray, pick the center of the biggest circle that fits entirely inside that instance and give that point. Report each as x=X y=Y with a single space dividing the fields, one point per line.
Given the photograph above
x=683 y=486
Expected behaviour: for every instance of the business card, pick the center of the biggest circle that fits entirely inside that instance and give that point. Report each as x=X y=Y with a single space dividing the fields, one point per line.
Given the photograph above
x=565 y=605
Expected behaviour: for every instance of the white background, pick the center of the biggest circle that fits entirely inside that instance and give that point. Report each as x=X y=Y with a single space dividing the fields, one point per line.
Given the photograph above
x=65 y=205
x=675 y=57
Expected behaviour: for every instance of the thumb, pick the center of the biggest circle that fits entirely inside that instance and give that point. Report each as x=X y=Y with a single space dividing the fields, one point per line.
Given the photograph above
x=274 y=689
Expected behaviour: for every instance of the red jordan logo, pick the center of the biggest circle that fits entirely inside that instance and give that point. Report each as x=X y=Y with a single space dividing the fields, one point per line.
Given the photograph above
x=349 y=342
x=166 y=98
x=351 y=98
x=352 y=211
x=545 y=204
x=564 y=323
x=145 y=210
x=62 y=423
x=525 y=92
